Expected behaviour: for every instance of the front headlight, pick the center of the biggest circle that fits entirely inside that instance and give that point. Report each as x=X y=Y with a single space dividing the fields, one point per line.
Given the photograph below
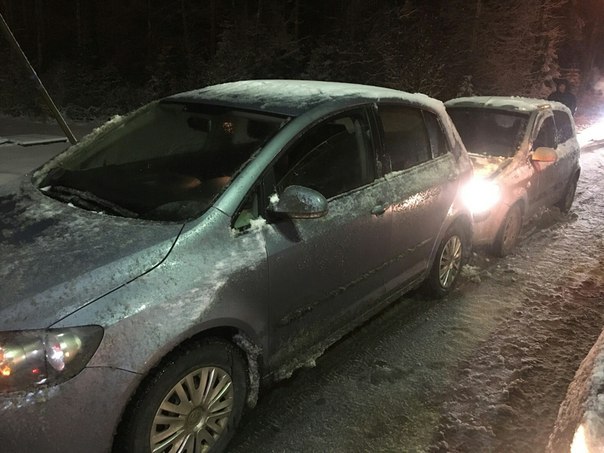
x=29 y=359
x=480 y=195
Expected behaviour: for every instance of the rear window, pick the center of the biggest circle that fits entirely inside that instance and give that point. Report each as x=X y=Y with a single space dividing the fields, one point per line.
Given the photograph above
x=405 y=136
x=490 y=132
x=438 y=140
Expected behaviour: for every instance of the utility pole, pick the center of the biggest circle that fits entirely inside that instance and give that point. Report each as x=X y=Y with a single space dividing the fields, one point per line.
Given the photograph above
x=51 y=105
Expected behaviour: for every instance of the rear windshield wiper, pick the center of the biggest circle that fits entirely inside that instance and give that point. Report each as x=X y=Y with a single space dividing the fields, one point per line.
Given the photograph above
x=86 y=200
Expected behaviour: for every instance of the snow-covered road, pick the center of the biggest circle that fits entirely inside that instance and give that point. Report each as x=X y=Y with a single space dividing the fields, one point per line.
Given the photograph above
x=484 y=370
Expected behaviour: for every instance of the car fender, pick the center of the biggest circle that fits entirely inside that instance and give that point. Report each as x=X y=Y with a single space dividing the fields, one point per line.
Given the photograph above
x=187 y=294
x=458 y=213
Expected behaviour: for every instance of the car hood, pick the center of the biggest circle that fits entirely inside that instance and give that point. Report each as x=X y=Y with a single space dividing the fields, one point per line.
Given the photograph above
x=488 y=166
x=57 y=258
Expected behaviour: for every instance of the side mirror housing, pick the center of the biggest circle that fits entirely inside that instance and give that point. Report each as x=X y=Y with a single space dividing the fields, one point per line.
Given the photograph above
x=544 y=154
x=298 y=202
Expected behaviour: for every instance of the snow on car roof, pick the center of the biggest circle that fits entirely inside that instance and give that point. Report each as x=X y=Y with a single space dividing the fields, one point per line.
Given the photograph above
x=514 y=103
x=293 y=97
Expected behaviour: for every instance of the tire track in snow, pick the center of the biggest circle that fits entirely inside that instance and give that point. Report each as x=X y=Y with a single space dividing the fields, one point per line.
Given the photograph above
x=509 y=391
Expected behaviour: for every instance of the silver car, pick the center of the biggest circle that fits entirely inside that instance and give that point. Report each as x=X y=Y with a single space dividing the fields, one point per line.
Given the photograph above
x=526 y=157
x=156 y=274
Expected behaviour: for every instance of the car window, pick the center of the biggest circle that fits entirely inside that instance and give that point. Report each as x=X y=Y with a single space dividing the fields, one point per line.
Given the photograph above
x=405 y=137
x=248 y=211
x=168 y=161
x=438 y=141
x=547 y=134
x=564 y=126
x=488 y=131
x=332 y=157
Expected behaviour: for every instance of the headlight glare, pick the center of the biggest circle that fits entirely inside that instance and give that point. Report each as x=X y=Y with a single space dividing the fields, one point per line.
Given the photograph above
x=480 y=195
x=62 y=348
x=29 y=359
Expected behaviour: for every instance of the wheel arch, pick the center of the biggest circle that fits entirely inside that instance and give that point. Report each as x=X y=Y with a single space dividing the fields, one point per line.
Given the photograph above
x=244 y=339
x=463 y=224
x=465 y=221
x=521 y=203
x=497 y=247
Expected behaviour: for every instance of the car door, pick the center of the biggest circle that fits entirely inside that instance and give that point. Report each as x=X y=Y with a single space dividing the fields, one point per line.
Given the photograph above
x=546 y=173
x=325 y=272
x=568 y=151
x=422 y=180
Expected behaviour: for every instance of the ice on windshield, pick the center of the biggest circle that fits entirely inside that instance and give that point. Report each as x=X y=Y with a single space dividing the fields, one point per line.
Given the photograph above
x=490 y=132
x=166 y=162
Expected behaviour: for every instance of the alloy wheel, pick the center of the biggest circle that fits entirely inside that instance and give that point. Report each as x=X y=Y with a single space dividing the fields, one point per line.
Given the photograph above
x=194 y=413
x=450 y=261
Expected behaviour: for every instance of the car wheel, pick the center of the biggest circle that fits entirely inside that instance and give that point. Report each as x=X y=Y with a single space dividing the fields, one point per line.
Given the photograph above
x=448 y=261
x=192 y=403
x=509 y=232
x=569 y=195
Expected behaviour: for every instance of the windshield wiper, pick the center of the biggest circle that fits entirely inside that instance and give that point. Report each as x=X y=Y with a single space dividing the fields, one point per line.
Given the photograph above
x=87 y=200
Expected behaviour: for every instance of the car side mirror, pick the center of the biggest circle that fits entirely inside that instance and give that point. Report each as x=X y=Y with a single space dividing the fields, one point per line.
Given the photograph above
x=544 y=154
x=298 y=202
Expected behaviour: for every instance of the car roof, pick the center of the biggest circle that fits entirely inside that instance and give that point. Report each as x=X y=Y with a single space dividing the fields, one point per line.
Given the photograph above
x=511 y=103
x=294 y=97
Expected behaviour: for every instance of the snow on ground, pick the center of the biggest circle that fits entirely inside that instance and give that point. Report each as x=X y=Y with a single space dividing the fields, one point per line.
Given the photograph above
x=580 y=424
x=509 y=390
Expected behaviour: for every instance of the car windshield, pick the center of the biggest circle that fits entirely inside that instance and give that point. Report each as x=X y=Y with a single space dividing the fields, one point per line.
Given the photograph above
x=167 y=161
x=490 y=132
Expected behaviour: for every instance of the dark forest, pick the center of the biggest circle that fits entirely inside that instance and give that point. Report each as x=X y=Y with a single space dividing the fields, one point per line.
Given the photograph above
x=99 y=58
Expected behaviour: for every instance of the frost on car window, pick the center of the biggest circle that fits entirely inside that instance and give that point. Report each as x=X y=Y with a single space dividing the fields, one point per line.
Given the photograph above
x=168 y=161
x=490 y=132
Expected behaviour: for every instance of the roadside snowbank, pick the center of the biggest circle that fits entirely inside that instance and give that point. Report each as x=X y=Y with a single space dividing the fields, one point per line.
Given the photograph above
x=580 y=424
x=579 y=427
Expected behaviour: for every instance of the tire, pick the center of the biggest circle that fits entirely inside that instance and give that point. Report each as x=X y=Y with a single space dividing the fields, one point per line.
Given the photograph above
x=175 y=397
x=450 y=257
x=509 y=232
x=568 y=197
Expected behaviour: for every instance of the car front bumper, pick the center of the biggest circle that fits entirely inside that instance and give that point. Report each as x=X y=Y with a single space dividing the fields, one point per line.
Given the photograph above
x=80 y=415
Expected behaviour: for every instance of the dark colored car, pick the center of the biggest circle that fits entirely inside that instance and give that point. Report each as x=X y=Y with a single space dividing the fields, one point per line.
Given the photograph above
x=526 y=158
x=158 y=272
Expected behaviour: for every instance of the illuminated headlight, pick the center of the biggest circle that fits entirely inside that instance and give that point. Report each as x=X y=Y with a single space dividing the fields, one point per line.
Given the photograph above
x=29 y=359
x=480 y=195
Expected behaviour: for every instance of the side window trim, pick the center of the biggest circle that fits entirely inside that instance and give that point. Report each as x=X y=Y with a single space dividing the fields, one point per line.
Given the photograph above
x=369 y=169
x=383 y=164
x=444 y=137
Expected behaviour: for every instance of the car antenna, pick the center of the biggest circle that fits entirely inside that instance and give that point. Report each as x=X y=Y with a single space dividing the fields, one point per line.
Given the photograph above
x=53 y=108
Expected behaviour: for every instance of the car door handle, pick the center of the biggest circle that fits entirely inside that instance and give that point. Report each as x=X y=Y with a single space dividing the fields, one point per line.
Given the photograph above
x=380 y=209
